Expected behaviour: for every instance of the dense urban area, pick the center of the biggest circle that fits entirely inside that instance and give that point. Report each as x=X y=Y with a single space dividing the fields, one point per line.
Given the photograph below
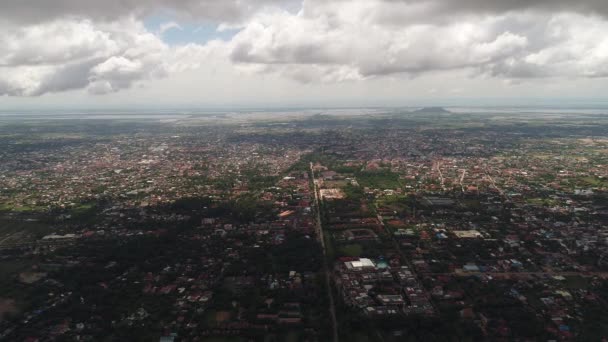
x=350 y=225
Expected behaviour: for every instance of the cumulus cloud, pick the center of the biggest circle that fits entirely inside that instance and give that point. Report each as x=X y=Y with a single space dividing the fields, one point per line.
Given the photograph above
x=575 y=46
x=103 y=46
x=346 y=41
x=73 y=54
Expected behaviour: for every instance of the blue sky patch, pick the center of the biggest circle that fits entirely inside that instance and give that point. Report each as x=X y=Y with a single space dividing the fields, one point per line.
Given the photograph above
x=187 y=32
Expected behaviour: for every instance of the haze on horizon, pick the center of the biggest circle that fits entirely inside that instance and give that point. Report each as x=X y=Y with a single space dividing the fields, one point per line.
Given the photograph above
x=222 y=53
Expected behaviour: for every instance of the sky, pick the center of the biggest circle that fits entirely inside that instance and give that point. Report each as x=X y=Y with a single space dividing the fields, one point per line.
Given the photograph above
x=280 y=53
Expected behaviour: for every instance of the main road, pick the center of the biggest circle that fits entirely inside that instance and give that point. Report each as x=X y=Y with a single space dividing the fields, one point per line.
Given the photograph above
x=522 y=274
x=326 y=268
x=437 y=165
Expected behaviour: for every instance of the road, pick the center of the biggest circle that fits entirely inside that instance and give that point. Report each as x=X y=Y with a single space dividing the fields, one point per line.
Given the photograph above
x=36 y=243
x=437 y=166
x=511 y=274
x=404 y=258
x=464 y=172
x=494 y=183
x=332 y=307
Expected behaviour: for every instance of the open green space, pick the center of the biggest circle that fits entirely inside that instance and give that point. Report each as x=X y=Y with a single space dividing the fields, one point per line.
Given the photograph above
x=6 y=207
x=11 y=226
x=576 y=282
x=379 y=179
x=353 y=250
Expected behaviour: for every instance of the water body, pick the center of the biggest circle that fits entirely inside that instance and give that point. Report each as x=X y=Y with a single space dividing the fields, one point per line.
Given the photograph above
x=175 y=115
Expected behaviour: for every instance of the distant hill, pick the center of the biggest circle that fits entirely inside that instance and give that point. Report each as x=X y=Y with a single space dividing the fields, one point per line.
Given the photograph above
x=432 y=110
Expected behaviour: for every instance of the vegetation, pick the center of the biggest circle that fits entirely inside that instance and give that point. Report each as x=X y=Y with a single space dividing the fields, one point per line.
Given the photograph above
x=354 y=250
x=382 y=179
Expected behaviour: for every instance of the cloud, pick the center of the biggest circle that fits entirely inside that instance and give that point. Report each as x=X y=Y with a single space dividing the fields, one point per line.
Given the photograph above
x=395 y=11
x=36 y=11
x=168 y=26
x=73 y=54
x=103 y=46
x=501 y=6
x=338 y=41
x=54 y=43
x=577 y=47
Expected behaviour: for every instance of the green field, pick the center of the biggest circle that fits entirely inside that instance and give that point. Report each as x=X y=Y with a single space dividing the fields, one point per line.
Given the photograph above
x=20 y=208
x=10 y=226
x=379 y=180
x=354 y=250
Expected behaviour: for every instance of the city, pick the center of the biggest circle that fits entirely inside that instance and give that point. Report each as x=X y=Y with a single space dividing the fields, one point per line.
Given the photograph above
x=303 y=170
x=387 y=225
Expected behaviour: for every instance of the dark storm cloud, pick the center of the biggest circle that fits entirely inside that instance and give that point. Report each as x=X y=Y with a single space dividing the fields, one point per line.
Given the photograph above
x=30 y=11
x=73 y=76
x=598 y=6
x=501 y=6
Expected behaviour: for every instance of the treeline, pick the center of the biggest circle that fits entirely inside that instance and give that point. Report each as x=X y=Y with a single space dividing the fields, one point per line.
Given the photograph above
x=244 y=209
